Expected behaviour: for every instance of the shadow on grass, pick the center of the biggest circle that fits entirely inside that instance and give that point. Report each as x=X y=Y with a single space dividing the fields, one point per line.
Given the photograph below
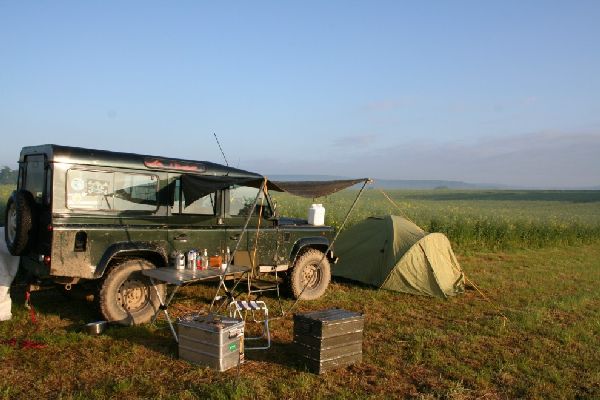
x=281 y=353
x=147 y=336
x=350 y=282
x=76 y=313
x=50 y=301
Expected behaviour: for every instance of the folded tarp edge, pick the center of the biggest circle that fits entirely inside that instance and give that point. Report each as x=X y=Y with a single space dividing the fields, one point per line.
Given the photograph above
x=195 y=186
x=312 y=189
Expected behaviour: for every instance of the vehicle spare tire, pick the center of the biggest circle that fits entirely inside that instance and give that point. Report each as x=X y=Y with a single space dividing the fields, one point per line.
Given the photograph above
x=310 y=275
x=127 y=297
x=19 y=222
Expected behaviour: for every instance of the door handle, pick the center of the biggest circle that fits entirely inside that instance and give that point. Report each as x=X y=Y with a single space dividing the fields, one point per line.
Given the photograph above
x=181 y=238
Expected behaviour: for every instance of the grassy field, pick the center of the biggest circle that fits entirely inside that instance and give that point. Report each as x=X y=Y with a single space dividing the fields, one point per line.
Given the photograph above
x=5 y=191
x=413 y=346
x=535 y=254
x=472 y=220
x=475 y=220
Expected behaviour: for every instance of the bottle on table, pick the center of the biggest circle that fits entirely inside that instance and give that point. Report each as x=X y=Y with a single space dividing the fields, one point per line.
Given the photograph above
x=205 y=259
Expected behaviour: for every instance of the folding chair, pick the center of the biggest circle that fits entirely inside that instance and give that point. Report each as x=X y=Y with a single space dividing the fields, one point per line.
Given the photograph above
x=254 y=307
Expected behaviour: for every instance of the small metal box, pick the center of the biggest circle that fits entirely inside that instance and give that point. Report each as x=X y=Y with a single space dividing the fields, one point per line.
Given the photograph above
x=329 y=338
x=212 y=340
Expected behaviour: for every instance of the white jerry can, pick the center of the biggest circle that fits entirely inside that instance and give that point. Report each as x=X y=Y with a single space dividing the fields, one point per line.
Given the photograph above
x=316 y=215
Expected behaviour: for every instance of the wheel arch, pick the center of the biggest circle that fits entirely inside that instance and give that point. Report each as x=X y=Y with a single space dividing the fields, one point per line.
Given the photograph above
x=320 y=243
x=117 y=252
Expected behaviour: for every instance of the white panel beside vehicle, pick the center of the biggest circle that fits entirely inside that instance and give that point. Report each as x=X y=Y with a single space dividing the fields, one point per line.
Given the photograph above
x=8 y=270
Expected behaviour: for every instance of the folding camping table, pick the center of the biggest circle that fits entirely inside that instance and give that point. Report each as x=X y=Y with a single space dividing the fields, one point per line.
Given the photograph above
x=172 y=276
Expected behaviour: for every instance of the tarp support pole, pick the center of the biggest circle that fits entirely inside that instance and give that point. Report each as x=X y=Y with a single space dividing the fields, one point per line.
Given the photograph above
x=397 y=206
x=237 y=244
x=367 y=181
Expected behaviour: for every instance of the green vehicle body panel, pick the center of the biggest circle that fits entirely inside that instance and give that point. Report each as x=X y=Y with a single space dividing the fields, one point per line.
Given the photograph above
x=151 y=233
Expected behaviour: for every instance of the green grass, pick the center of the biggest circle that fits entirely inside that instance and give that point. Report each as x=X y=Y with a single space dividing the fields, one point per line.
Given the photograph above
x=474 y=220
x=5 y=191
x=413 y=346
x=546 y=284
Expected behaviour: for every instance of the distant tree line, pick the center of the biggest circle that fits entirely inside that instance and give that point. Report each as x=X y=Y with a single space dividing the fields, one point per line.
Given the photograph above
x=8 y=176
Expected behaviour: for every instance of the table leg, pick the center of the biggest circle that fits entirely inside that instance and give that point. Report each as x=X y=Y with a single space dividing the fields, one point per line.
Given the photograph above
x=164 y=308
x=171 y=325
x=160 y=299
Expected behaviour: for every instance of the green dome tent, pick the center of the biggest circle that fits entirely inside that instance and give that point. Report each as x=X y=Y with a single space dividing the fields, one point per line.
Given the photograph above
x=393 y=253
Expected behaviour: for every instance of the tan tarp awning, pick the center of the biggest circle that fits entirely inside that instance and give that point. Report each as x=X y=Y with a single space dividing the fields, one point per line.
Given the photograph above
x=196 y=186
x=313 y=189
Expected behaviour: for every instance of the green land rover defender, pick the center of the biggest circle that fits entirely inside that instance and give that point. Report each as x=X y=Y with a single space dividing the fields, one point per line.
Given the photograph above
x=94 y=217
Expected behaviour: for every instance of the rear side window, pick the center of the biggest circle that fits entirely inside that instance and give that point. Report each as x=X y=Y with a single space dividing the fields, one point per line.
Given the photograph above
x=35 y=176
x=135 y=192
x=111 y=191
x=89 y=190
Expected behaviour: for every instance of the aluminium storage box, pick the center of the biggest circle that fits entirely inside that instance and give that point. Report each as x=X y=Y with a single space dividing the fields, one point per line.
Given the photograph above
x=211 y=340
x=329 y=338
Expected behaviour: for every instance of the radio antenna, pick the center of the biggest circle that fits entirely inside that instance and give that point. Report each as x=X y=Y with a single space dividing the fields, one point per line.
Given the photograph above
x=220 y=148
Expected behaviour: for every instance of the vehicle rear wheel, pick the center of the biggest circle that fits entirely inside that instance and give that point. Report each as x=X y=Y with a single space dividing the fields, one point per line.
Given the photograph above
x=126 y=296
x=19 y=221
x=310 y=276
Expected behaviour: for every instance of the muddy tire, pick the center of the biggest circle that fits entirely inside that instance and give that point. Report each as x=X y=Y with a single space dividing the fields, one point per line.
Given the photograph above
x=126 y=296
x=19 y=222
x=310 y=276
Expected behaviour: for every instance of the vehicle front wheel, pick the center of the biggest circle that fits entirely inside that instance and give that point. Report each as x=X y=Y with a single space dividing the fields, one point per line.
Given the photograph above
x=310 y=276
x=126 y=296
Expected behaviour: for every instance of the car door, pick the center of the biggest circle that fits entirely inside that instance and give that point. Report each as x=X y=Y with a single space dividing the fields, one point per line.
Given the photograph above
x=194 y=224
x=260 y=242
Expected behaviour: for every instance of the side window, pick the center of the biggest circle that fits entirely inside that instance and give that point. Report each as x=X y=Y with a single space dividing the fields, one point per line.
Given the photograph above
x=205 y=205
x=35 y=176
x=111 y=191
x=176 y=197
x=135 y=192
x=241 y=199
x=89 y=190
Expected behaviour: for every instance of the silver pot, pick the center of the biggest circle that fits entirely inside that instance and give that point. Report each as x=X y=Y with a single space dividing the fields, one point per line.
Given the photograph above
x=96 y=328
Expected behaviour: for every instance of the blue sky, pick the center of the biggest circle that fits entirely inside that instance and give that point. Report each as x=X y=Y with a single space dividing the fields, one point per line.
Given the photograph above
x=504 y=92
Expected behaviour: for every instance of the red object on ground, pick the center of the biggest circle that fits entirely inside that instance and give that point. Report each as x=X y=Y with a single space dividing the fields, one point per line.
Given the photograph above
x=30 y=307
x=31 y=344
x=23 y=344
x=11 y=342
x=26 y=343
